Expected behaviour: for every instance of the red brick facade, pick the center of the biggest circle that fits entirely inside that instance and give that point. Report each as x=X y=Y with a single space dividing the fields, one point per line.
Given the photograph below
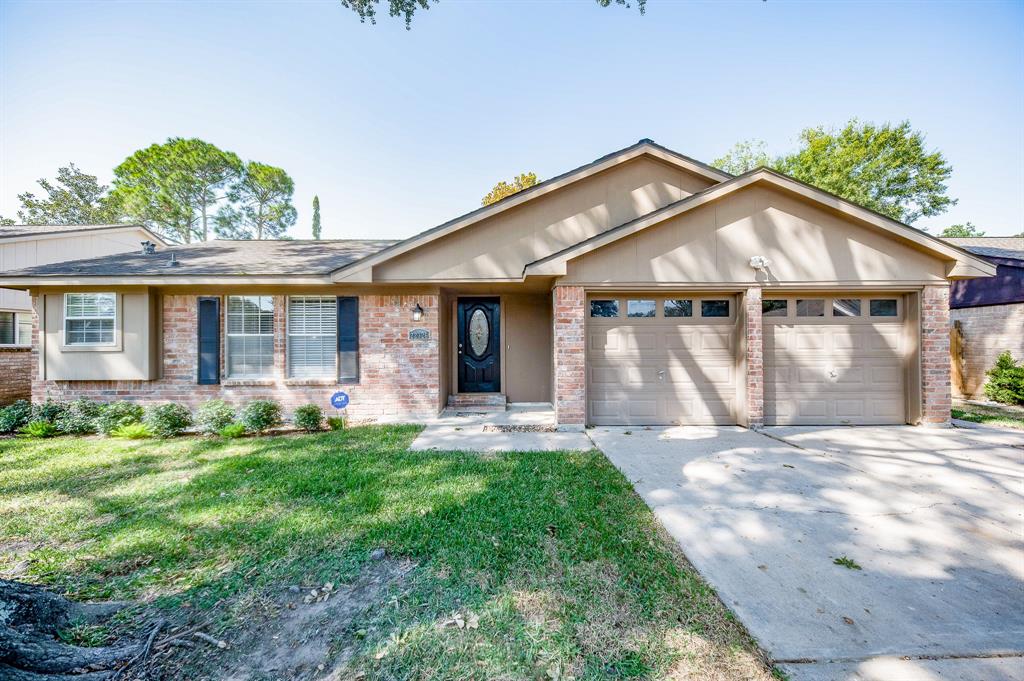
x=568 y=308
x=15 y=375
x=754 y=337
x=399 y=378
x=935 y=370
x=986 y=332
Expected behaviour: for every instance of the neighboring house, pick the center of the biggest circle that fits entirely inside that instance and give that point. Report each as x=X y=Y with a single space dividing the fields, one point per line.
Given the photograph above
x=987 y=314
x=642 y=288
x=27 y=245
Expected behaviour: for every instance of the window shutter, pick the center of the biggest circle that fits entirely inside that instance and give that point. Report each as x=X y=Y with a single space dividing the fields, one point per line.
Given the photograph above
x=209 y=341
x=348 y=339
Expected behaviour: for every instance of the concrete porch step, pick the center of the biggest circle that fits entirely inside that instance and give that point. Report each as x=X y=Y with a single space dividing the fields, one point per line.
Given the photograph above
x=478 y=402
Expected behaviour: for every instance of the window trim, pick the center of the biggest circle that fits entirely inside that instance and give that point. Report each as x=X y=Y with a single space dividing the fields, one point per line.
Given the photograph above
x=288 y=338
x=115 y=342
x=227 y=336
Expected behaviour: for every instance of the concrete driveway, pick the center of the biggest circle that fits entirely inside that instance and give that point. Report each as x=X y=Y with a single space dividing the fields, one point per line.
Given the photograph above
x=934 y=519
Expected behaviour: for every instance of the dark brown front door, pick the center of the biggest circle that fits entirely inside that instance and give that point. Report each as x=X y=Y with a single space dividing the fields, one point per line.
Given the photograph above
x=479 y=345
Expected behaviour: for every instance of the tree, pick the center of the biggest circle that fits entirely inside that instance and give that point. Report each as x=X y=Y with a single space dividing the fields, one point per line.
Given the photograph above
x=74 y=198
x=316 y=217
x=882 y=167
x=367 y=9
x=503 y=189
x=172 y=187
x=967 y=229
x=264 y=198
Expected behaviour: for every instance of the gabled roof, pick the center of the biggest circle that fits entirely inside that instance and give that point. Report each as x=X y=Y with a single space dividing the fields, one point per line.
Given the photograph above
x=967 y=264
x=1005 y=247
x=23 y=231
x=644 y=147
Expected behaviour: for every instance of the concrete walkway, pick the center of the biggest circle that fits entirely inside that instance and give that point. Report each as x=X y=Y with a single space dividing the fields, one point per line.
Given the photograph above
x=933 y=519
x=519 y=429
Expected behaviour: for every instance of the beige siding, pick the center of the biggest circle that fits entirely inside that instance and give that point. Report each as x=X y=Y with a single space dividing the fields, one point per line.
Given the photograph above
x=499 y=248
x=714 y=244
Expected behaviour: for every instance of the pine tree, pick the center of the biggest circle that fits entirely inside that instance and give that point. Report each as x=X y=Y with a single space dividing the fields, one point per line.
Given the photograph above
x=316 y=217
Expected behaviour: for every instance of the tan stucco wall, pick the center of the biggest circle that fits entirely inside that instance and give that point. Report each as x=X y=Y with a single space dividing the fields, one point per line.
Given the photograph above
x=502 y=246
x=714 y=243
x=527 y=346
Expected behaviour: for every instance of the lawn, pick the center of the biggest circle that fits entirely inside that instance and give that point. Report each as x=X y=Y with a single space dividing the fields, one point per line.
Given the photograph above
x=990 y=414
x=541 y=565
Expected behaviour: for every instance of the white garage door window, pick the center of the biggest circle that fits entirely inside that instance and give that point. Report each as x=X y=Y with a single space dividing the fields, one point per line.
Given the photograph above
x=661 y=360
x=834 y=360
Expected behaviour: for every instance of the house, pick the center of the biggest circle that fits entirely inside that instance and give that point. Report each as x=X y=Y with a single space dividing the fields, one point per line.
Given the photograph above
x=642 y=288
x=987 y=314
x=28 y=245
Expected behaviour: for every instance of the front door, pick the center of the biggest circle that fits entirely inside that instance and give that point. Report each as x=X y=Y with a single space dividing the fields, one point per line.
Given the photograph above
x=479 y=345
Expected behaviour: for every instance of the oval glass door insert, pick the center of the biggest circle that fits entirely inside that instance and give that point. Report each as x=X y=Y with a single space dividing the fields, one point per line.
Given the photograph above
x=479 y=331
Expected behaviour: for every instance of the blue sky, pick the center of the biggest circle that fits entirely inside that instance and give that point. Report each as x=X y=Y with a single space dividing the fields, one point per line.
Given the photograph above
x=400 y=130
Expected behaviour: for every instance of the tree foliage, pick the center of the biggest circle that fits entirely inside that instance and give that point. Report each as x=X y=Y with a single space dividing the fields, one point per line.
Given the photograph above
x=73 y=198
x=316 y=217
x=367 y=9
x=264 y=204
x=882 y=167
x=967 y=229
x=503 y=189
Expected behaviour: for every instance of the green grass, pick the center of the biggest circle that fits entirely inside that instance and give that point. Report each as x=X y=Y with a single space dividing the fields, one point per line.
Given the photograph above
x=990 y=415
x=565 y=567
x=846 y=562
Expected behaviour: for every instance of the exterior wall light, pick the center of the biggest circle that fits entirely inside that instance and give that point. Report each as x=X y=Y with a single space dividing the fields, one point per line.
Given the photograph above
x=417 y=313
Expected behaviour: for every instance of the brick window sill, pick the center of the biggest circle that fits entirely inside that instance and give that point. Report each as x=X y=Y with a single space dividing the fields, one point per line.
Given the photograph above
x=311 y=381
x=238 y=382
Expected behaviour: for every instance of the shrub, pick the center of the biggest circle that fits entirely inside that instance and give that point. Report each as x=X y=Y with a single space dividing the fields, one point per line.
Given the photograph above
x=1006 y=381
x=14 y=416
x=131 y=431
x=118 y=414
x=214 y=415
x=79 y=418
x=261 y=415
x=48 y=411
x=309 y=417
x=167 y=420
x=233 y=430
x=39 y=428
x=336 y=422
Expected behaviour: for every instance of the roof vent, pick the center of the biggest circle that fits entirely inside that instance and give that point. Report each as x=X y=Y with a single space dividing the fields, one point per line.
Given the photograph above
x=148 y=248
x=173 y=262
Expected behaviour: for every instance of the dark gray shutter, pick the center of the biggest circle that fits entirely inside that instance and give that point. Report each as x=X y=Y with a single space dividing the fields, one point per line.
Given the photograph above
x=348 y=339
x=209 y=341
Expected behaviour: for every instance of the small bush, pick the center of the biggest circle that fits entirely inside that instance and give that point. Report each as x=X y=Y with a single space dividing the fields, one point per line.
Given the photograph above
x=131 y=431
x=48 y=411
x=118 y=414
x=14 y=416
x=233 y=430
x=79 y=418
x=309 y=417
x=336 y=422
x=167 y=420
x=39 y=429
x=213 y=416
x=261 y=415
x=1006 y=381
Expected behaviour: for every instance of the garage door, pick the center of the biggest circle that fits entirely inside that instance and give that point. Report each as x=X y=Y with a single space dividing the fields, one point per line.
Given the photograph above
x=661 y=360
x=834 y=360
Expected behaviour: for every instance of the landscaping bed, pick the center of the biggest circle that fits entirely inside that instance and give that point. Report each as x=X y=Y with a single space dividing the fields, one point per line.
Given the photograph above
x=989 y=413
x=343 y=555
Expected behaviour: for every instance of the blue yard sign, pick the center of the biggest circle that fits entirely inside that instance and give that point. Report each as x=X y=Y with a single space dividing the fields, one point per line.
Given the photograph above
x=339 y=400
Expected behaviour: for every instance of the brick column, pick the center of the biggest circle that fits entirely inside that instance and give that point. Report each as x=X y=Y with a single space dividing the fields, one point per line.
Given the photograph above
x=568 y=304
x=754 y=336
x=935 y=369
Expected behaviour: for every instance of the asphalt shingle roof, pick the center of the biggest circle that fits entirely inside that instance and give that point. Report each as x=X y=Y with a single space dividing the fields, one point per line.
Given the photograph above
x=220 y=258
x=993 y=246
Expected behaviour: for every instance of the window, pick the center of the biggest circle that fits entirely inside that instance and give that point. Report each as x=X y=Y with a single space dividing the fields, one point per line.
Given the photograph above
x=15 y=328
x=250 y=336
x=714 y=308
x=884 y=307
x=89 y=318
x=604 y=308
x=846 y=307
x=312 y=336
x=812 y=307
x=678 y=308
x=774 y=308
x=25 y=329
x=640 y=308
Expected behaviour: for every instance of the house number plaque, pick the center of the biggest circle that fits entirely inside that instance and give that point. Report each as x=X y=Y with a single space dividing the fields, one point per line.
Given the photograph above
x=419 y=335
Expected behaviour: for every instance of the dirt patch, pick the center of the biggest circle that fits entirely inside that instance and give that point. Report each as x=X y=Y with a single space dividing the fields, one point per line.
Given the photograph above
x=518 y=428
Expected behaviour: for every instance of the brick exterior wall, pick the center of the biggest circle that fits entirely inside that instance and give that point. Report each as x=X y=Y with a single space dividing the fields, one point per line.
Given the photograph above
x=935 y=366
x=986 y=332
x=15 y=375
x=568 y=310
x=399 y=378
x=754 y=336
